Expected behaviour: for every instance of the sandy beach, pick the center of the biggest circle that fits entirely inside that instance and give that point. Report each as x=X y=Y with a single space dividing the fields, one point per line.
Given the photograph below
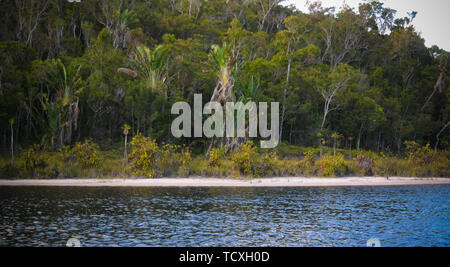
x=226 y=182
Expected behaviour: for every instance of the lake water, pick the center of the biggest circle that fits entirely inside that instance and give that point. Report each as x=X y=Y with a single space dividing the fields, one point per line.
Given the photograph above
x=348 y=216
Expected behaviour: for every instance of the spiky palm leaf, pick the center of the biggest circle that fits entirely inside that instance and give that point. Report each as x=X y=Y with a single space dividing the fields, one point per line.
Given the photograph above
x=221 y=57
x=150 y=65
x=250 y=93
x=64 y=80
x=62 y=108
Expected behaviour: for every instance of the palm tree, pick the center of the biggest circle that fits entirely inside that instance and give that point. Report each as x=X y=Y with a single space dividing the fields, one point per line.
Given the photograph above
x=62 y=107
x=250 y=93
x=223 y=92
x=126 y=128
x=221 y=57
x=246 y=95
x=149 y=66
x=121 y=30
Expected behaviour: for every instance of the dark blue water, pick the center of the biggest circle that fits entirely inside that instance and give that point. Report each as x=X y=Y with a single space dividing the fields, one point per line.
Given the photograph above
x=397 y=216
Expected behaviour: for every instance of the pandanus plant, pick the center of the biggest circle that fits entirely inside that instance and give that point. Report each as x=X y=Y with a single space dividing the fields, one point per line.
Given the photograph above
x=61 y=107
x=246 y=95
x=221 y=57
x=121 y=31
x=126 y=129
x=250 y=93
x=149 y=66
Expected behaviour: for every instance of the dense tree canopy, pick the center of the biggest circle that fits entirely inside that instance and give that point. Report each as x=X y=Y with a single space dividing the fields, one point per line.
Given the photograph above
x=72 y=70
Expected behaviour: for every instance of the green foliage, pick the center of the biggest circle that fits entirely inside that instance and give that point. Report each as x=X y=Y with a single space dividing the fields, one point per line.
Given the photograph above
x=173 y=160
x=365 y=161
x=245 y=158
x=87 y=154
x=359 y=73
x=215 y=157
x=143 y=156
x=30 y=161
x=150 y=65
x=329 y=166
x=148 y=159
x=419 y=155
x=309 y=161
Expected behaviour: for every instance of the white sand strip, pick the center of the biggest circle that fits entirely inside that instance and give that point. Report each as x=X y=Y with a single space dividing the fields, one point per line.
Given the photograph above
x=218 y=182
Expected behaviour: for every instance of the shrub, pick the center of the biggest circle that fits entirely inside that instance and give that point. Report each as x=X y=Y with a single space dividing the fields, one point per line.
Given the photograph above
x=386 y=166
x=173 y=160
x=365 y=162
x=143 y=156
x=270 y=164
x=215 y=157
x=86 y=154
x=30 y=161
x=290 y=167
x=417 y=154
x=245 y=158
x=150 y=160
x=307 y=164
x=7 y=170
x=329 y=166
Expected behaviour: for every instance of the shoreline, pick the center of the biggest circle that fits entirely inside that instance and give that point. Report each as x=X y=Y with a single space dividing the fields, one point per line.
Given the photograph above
x=227 y=182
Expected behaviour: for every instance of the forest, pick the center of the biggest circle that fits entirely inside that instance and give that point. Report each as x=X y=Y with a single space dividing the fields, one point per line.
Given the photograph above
x=86 y=88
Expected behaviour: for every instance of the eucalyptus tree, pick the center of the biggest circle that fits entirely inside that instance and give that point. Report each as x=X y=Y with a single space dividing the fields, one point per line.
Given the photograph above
x=440 y=83
x=335 y=136
x=290 y=44
x=265 y=7
x=341 y=38
x=239 y=41
x=30 y=13
x=330 y=85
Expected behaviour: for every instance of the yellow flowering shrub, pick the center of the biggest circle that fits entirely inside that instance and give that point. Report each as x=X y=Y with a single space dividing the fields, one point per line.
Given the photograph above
x=244 y=158
x=87 y=154
x=329 y=166
x=143 y=155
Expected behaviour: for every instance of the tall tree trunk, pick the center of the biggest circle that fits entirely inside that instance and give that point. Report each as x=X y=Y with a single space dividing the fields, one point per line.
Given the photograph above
x=334 y=148
x=358 y=142
x=12 y=145
x=437 y=86
x=125 y=154
x=439 y=134
x=284 y=97
x=351 y=155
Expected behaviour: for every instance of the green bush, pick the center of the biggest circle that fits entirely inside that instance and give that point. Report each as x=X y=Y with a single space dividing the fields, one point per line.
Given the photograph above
x=308 y=162
x=150 y=160
x=86 y=154
x=365 y=162
x=173 y=160
x=216 y=155
x=142 y=159
x=244 y=158
x=329 y=166
x=31 y=162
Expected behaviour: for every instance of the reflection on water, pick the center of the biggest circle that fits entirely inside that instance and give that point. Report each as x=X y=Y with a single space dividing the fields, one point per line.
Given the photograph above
x=397 y=216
